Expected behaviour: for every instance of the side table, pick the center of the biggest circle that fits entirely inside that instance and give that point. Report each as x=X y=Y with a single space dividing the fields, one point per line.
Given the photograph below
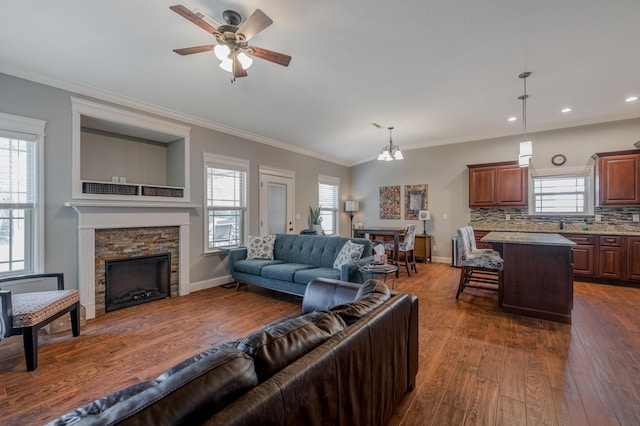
x=378 y=269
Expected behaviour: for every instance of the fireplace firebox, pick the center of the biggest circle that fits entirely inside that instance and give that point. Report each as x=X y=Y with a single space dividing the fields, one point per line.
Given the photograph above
x=136 y=280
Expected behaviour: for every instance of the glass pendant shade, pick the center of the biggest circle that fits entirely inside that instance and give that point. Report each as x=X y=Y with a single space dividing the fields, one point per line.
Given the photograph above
x=245 y=60
x=390 y=152
x=526 y=153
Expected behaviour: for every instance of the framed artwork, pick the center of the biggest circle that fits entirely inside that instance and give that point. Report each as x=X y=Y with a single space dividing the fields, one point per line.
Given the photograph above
x=416 y=198
x=390 y=202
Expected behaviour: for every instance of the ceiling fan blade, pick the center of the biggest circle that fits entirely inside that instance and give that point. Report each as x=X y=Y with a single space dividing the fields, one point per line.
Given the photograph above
x=238 y=71
x=189 y=15
x=257 y=22
x=269 y=55
x=195 y=49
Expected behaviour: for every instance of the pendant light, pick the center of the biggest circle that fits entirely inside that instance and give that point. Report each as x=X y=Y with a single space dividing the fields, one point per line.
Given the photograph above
x=391 y=152
x=526 y=146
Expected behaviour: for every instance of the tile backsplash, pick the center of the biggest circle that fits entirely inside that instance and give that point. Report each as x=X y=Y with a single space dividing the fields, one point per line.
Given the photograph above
x=612 y=219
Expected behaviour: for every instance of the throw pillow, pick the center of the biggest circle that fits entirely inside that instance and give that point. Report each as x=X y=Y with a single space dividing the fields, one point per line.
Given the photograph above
x=350 y=252
x=260 y=247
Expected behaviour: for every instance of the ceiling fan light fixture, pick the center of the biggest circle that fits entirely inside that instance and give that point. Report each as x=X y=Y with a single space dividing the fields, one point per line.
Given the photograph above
x=227 y=65
x=245 y=60
x=222 y=52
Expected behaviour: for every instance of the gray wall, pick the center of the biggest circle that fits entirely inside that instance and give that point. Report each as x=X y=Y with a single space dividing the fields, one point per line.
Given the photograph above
x=29 y=99
x=444 y=169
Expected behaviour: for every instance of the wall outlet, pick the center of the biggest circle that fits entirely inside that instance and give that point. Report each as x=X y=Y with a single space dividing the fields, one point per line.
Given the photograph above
x=507 y=216
x=636 y=217
x=115 y=179
x=598 y=218
x=123 y=179
x=444 y=215
x=297 y=216
x=434 y=249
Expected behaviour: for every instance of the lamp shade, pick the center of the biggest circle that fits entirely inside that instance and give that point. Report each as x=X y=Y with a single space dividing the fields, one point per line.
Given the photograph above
x=351 y=206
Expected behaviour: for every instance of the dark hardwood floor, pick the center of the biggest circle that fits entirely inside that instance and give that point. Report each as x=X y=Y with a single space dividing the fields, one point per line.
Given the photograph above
x=477 y=365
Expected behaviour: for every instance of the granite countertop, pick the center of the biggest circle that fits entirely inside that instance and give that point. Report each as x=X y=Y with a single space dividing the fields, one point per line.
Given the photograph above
x=534 y=238
x=594 y=229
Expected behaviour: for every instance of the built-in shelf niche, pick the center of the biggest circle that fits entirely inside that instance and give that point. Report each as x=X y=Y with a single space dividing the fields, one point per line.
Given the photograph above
x=122 y=155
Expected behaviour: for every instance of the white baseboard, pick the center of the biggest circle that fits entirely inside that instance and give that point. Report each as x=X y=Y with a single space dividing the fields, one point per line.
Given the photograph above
x=441 y=260
x=214 y=282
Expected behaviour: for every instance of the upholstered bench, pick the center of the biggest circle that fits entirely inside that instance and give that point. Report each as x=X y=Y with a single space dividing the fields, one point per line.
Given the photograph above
x=27 y=313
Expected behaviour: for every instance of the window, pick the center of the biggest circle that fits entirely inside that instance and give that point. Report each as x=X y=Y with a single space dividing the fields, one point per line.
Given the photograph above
x=225 y=200
x=21 y=245
x=564 y=193
x=328 y=201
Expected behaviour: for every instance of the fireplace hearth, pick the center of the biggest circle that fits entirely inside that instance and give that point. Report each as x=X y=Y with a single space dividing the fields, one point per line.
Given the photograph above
x=136 y=280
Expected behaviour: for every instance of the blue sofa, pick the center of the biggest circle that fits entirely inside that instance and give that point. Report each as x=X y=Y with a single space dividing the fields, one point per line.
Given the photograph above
x=297 y=259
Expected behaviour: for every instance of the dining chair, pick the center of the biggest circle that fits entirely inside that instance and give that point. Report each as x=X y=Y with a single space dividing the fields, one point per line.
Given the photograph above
x=406 y=256
x=481 y=268
x=27 y=313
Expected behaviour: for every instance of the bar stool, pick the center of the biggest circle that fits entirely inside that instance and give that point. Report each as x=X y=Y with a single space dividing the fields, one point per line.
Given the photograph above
x=481 y=268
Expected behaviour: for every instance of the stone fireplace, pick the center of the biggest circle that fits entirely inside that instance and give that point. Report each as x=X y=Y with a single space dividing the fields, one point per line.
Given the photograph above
x=109 y=231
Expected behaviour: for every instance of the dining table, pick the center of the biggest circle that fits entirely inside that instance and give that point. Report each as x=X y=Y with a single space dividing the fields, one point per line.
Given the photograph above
x=374 y=231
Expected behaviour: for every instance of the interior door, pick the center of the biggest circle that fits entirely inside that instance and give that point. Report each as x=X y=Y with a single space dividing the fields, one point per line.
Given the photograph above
x=276 y=202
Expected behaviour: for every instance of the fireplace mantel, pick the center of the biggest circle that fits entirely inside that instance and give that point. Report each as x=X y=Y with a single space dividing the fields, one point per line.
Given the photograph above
x=105 y=215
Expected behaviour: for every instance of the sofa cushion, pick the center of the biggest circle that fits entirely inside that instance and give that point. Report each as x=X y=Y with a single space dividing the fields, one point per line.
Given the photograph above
x=278 y=345
x=283 y=271
x=188 y=393
x=253 y=266
x=350 y=252
x=260 y=247
x=306 y=275
x=372 y=294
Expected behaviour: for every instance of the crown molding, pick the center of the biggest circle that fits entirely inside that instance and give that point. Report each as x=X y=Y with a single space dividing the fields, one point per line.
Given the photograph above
x=105 y=95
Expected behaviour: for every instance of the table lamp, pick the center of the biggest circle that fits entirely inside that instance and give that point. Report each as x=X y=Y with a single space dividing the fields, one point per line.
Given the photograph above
x=424 y=216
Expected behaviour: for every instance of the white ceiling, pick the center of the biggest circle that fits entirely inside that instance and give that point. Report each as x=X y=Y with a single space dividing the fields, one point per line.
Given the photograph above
x=440 y=71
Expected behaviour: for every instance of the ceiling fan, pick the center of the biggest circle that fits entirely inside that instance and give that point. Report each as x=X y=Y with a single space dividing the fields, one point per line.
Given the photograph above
x=232 y=48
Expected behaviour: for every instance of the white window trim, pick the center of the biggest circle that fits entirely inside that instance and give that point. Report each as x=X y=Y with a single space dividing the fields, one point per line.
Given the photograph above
x=31 y=128
x=565 y=171
x=335 y=181
x=222 y=161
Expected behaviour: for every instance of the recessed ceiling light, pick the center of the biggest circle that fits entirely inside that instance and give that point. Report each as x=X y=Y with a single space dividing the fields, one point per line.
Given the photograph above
x=631 y=99
x=565 y=110
x=512 y=118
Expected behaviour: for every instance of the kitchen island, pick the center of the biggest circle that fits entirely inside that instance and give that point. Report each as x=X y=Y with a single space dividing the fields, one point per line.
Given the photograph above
x=538 y=274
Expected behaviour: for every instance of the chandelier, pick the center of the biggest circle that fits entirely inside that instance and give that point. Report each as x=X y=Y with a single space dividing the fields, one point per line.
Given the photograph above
x=391 y=152
x=526 y=146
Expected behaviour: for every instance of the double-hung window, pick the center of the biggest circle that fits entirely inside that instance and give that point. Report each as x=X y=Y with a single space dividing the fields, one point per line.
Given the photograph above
x=226 y=182
x=328 y=189
x=21 y=218
x=569 y=192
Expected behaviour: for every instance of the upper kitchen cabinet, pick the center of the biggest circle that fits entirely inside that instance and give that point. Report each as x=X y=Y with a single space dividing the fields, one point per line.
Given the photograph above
x=618 y=178
x=498 y=185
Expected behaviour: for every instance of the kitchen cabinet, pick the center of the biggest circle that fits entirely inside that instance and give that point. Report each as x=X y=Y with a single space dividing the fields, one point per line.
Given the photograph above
x=618 y=178
x=583 y=254
x=422 y=247
x=610 y=257
x=498 y=185
x=633 y=258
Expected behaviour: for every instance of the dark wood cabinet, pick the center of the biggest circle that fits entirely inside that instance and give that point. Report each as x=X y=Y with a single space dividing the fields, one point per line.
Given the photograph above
x=498 y=185
x=583 y=255
x=610 y=257
x=618 y=178
x=633 y=258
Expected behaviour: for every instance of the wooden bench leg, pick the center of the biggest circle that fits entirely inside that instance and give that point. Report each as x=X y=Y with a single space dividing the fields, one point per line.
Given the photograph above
x=75 y=320
x=30 y=341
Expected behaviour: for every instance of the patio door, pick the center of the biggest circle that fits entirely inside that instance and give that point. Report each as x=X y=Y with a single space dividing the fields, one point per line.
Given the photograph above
x=276 y=201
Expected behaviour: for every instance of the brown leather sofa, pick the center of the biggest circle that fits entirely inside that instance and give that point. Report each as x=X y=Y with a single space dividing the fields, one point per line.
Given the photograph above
x=347 y=359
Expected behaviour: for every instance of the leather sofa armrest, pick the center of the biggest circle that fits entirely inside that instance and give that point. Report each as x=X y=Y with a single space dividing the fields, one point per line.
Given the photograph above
x=324 y=293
